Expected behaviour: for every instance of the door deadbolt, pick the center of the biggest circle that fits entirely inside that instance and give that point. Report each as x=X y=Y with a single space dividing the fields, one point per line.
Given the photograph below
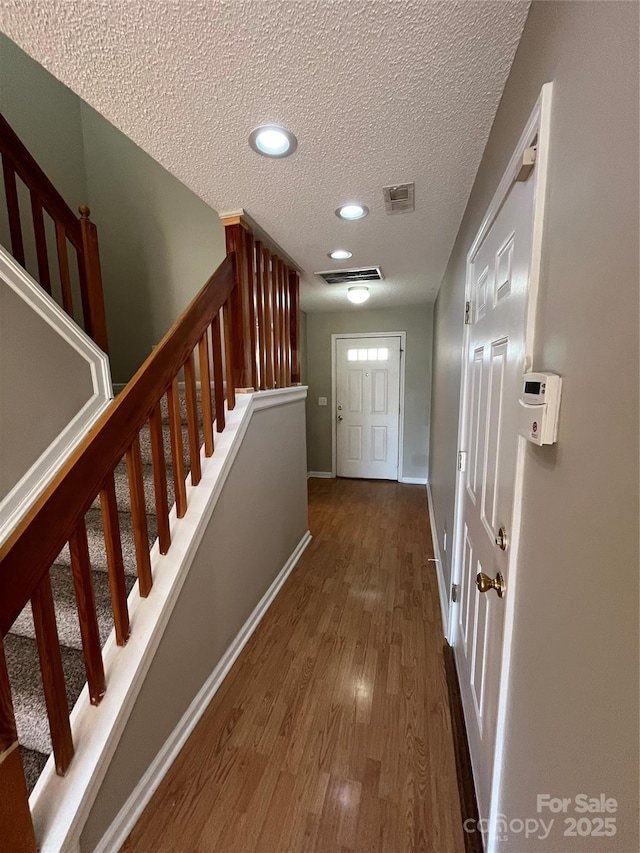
x=485 y=583
x=502 y=540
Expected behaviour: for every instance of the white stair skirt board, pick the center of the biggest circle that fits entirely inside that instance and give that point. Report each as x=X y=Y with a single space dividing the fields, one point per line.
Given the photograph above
x=443 y=591
x=322 y=475
x=60 y=806
x=130 y=812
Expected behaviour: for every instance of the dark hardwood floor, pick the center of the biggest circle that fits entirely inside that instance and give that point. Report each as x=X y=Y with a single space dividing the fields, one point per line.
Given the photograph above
x=332 y=731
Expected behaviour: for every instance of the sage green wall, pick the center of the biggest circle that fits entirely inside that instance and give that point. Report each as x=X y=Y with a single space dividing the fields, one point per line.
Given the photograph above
x=416 y=321
x=159 y=242
x=303 y=348
x=572 y=714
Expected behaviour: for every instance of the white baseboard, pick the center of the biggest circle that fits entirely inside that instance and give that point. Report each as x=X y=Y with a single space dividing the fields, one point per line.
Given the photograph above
x=416 y=481
x=442 y=590
x=322 y=475
x=130 y=812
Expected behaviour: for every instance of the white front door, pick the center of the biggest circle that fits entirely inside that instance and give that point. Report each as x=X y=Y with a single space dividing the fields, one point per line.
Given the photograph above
x=367 y=407
x=498 y=276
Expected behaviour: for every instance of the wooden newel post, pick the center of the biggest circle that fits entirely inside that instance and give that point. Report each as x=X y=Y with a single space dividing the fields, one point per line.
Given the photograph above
x=91 y=279
x=294 y=296
x=242 y=300
x=16 y=827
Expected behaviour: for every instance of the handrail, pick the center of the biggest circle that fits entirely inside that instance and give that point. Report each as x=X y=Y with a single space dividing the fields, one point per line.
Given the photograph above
x=28 y=553
x=81 y=233
x=33 y=176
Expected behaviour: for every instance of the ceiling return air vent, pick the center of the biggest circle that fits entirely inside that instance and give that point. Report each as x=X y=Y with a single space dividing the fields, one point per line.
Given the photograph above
x=399 y=198
x=352 y=276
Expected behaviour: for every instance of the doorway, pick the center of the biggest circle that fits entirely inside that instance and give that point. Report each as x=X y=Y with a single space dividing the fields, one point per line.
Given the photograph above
x=367 y=400
x=501 y=291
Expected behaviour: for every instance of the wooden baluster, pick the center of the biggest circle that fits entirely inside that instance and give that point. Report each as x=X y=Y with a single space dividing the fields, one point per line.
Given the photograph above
x=268 y=317
x=173 y=401
x=115 y=565
x=277 y=348
x=91 y=282
x=250 y=250
x=41 y=243
x=139 y=517
x=228 y=354
x=294 y=296
x=160 y=479
x=261 y=330
x=13 y=208
x=55 y=694
x=86 y=602
x=282 y=375
x=205 y=393
x=218 y=381
x=63 y=267
x=192 y=420
x=16 y=827
x=286 y=338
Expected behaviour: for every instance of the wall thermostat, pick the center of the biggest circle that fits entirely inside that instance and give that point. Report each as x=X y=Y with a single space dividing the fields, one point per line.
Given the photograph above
x=540 y=407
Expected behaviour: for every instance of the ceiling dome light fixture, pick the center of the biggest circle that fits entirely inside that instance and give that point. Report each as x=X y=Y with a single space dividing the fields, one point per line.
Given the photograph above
x=273 y=141
x=352 y=211
x=358 y=294
x=340 y=255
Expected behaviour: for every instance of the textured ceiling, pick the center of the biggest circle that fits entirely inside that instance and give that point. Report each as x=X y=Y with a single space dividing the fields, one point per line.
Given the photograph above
x=377 y=91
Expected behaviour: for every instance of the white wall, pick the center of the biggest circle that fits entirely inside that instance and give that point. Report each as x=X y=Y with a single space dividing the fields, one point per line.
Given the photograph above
x=572 y=722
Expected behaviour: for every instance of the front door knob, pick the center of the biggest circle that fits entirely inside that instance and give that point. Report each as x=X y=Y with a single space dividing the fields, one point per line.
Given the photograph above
x=485 y=583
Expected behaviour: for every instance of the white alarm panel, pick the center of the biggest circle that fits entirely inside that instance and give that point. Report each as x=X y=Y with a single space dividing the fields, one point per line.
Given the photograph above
x=540 y=407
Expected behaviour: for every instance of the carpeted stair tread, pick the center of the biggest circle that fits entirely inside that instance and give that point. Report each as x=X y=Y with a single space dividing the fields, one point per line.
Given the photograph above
x=33 y=763
x=67 y=611
x=28 y=696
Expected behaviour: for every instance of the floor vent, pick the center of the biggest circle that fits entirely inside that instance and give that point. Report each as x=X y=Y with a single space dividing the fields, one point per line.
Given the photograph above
x=352 y=276
x=399 y=198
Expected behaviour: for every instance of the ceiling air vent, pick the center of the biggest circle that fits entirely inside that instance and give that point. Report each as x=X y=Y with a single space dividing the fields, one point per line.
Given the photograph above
x=353 y=276
x=399 y=198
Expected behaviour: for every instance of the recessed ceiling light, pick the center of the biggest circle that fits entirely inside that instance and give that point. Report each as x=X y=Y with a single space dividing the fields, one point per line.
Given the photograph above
x=352 y=211
x=340 y=255
x=273 y=141
x=358 y=294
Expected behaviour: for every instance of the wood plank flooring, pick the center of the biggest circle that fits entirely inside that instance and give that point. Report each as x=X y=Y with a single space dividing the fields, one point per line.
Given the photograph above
x=332 y=731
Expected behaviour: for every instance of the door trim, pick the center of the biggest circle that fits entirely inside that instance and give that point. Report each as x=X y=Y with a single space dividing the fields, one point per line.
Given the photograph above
x=334 y=380
x=539 y=124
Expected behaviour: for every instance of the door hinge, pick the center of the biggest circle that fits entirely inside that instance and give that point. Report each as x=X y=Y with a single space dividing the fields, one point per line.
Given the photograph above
x=455 y=589
x=528 y=162
x=467 y=313
x=462 y=460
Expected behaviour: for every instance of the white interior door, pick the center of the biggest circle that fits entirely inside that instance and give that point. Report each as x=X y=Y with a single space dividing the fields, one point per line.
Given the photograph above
x=367 y=407
x=498 y=276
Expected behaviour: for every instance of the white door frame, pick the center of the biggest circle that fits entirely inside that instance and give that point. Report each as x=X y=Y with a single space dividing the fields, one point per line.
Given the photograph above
x=334 y=381
x=539 y=125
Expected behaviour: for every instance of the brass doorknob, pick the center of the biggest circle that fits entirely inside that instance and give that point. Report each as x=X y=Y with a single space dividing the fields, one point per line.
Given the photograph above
x=485 y=583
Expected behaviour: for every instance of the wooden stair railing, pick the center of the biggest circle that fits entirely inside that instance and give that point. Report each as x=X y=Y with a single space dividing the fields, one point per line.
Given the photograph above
x=266 y=309
x=80 y=233
x=58 y=517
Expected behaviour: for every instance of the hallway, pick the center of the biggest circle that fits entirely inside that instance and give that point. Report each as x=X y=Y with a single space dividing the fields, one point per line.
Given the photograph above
x=332 y=730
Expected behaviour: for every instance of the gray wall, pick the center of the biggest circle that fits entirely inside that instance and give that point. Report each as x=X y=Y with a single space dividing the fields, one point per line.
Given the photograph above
x=230 y=574
x=416 y=321
x=159 y=242
x=44 y=383
x=573 y=710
